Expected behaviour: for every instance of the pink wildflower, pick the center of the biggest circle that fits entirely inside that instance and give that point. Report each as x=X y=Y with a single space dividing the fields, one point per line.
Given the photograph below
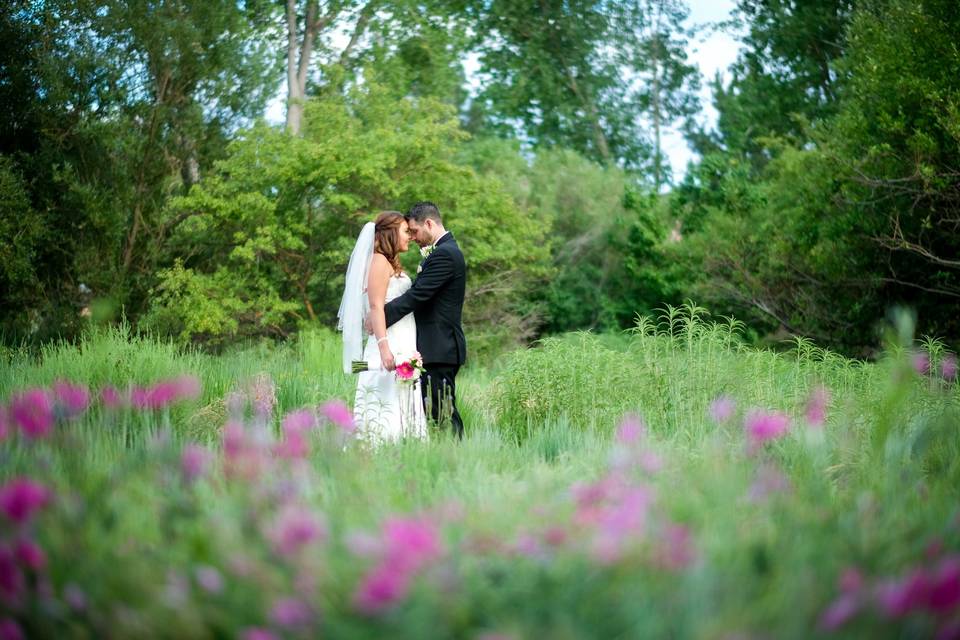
x=11 y=577
x=900 y=597
x=768 y=481
x=363 y=544
x=165 y=393
x=339 y=414
x=295 y=528
x=74 y=596
x=30 y=555
x=816 y=411
x=411 y=543
x=630 y=430
x=763 y=427
x=299 y=420
x=110 y=397
x=948 y=367
x=193 y=462
x=257 y=633
x=677 y=550
x=381 y=589
x=851 y=580
x=72 y=399
x=33 y=411
x=10 y=630
x=920 y=361
x=21 y=498
x=209 y=579
x=839 y=612
x=291 y=613
x=243 y=458
x=944 y=594
x=722 y=408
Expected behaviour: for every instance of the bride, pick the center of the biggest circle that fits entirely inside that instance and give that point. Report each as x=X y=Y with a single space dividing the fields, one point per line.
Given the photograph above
x=384 y=409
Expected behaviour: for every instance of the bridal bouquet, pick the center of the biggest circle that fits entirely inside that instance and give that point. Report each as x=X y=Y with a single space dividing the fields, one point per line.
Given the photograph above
x=407 y=371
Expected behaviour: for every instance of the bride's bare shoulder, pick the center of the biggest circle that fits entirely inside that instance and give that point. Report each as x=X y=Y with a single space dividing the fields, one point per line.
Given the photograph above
x=380 y=267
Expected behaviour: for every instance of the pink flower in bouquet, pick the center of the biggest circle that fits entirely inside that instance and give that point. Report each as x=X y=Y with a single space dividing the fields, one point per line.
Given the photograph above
x=30 y=555
x=194 y=461
x=33 y=411
x=405 y=371
x=10 y=630
x=20 y=498
x=110 y=397
x=722 y=408
x=816 y=410
x=948 y=367
x=73 y=399
x=339 y=414
x=763 y=427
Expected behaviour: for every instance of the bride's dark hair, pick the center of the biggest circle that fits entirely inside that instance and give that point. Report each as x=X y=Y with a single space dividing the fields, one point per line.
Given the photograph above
x=387 y=237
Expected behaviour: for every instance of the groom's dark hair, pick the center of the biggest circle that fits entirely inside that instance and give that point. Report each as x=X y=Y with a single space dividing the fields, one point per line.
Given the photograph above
x=423 y=210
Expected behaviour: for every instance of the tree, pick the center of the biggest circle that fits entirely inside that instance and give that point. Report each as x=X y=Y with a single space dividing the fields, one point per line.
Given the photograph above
x=549 y=77
x=653 y=51
x=265 y=240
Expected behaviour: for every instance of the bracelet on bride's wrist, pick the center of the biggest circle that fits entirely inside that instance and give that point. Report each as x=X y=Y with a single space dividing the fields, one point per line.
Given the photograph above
x=379 y=340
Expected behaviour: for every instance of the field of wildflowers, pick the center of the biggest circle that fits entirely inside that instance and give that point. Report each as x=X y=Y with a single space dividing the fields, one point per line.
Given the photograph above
x=671 y=482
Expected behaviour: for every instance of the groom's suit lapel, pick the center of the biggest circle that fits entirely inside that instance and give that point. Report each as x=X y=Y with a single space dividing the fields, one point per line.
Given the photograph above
x=447 y=237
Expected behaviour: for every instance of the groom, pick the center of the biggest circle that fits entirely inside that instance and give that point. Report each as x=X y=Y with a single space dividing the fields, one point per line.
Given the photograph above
x=436 y=300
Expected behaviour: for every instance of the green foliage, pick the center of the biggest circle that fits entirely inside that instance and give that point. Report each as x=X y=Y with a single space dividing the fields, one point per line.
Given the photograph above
x=264 y=241
x=731 y=541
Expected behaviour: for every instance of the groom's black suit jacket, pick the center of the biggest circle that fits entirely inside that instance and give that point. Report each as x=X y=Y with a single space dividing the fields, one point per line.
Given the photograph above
x=436 y=301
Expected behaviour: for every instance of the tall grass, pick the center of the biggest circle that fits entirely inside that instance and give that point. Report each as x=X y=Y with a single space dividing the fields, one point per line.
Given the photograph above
x=728 y=540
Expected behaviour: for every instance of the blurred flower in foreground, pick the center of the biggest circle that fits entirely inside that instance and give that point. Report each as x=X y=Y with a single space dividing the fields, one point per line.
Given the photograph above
x=10 y=630
x=257 y=633
x=408 y=545
x=339 y=414
x=816 y=410
x=194 y=461
x=110 y=397
x=165 y=393
x=33 y=411
x=630 y=430
x=920 y=361
x=948 y=367
x=765 y=426
x=295 y=527
x=20 y=498
x=72 y=399
x=722 y=408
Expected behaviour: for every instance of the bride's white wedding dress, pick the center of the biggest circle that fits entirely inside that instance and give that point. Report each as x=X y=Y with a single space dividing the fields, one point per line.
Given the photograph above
x=385 y=409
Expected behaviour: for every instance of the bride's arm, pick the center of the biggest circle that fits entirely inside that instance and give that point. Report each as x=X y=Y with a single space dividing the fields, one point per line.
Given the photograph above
x=377 y=281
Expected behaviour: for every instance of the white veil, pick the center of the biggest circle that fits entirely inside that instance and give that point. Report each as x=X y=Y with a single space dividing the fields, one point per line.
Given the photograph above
x=354 y=305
